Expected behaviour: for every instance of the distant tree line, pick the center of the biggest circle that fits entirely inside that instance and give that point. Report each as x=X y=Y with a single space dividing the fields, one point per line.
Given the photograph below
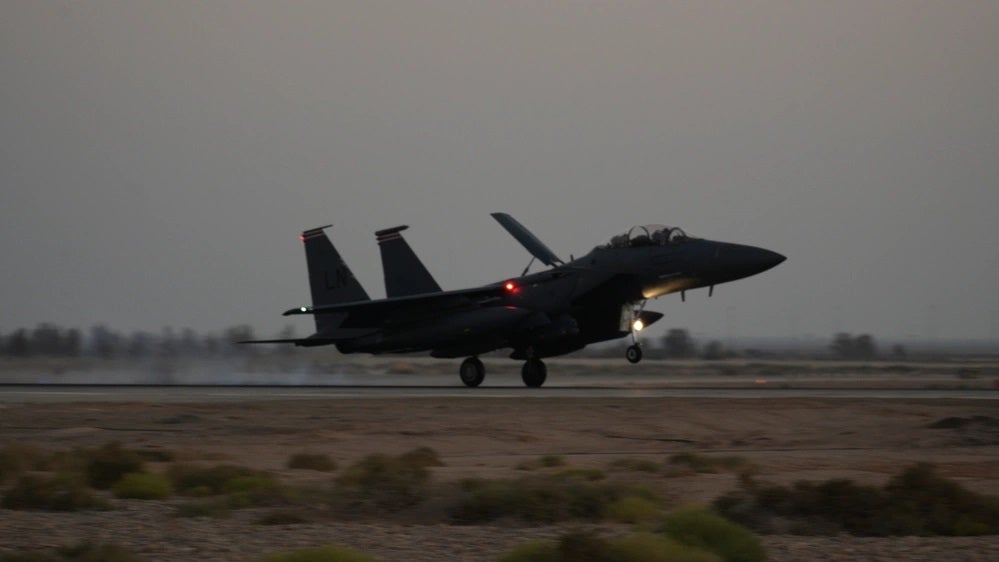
x=678 y=343
x=49 y=340
x=861 y=347
x=847 y=346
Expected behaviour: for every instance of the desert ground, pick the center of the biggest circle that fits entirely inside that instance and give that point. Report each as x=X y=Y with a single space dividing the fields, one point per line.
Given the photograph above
x=785 y=439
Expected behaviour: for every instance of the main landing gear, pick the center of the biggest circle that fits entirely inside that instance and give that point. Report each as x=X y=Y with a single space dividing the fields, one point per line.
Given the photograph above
x=472 y=372
x=534 y=372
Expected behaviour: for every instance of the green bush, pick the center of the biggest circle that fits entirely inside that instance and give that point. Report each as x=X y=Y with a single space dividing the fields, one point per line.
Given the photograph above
x=191 y=480
x=257 y=491
x=142 y=486
x=703 y=529
x=542 y=499
x=319 y=554
x=241 y=487
x=63 y=492
x=632 y=509
x=644 y=547
x=587 y=547
x=389 y=482
x=108 y=464
x=311 y=461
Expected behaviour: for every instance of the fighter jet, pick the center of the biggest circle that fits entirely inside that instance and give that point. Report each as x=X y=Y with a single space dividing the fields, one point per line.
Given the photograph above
x=597 y=297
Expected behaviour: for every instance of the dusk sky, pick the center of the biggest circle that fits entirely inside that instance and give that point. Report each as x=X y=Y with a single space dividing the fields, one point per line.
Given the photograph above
x=158 y=159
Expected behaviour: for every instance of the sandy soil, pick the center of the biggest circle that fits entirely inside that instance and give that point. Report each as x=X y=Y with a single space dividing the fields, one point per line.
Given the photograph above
x=788 y=439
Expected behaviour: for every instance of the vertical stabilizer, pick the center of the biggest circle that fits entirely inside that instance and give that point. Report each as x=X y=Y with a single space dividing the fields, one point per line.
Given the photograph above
x=330 y=280
x=405 y=274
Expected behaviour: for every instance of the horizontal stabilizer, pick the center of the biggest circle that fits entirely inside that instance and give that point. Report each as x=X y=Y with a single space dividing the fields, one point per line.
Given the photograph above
x=527 y=239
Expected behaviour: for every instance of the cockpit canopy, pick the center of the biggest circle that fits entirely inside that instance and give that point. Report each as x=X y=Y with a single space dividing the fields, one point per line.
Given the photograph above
x=648 y=235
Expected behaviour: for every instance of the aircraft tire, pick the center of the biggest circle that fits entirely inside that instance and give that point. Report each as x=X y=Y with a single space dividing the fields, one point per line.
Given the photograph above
x=534 y=373
x=472 y=372
x=633 y=354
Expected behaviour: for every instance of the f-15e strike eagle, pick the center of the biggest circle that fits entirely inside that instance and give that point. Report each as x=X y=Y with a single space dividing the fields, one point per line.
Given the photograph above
x=597 y=297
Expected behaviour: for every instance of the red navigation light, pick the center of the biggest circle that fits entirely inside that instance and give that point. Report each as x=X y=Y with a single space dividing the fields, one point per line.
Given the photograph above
x=510 y=287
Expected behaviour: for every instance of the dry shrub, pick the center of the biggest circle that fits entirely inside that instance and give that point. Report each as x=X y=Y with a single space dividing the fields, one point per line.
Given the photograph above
x=311 y=461
x=542 y=499
x=546 y=461
x=319 y=554
x=701 y=464
x=16 y=458
x=915 y=502
x=62 y=492
x=216 y=508
x=83 y=552
x=635 y=465
x=587 y=547
x=106 y=465
x=281 y=517
x=387 y=481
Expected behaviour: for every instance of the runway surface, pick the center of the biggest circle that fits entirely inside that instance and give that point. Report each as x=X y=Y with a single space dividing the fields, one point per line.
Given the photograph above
x=439 y=386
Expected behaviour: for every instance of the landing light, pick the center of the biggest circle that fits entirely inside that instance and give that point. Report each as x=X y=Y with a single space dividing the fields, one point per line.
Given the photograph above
x=304 y=309
x=637 y=325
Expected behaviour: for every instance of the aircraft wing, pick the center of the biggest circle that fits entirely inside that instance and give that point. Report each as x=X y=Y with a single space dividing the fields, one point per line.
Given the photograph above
x=402 y=309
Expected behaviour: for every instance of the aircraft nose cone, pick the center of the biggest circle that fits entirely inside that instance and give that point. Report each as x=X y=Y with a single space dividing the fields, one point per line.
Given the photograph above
x=738 y=261
x=767 y=259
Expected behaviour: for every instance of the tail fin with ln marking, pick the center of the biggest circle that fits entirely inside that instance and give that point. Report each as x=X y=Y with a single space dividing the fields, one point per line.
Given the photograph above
x=330 y=280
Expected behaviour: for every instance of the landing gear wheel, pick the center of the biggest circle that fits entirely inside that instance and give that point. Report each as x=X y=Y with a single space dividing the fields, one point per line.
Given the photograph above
x=633 y=354
x=472 y=372
x=534 y=373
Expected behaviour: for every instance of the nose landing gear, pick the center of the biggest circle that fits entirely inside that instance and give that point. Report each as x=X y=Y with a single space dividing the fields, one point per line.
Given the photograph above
x=634 y=352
